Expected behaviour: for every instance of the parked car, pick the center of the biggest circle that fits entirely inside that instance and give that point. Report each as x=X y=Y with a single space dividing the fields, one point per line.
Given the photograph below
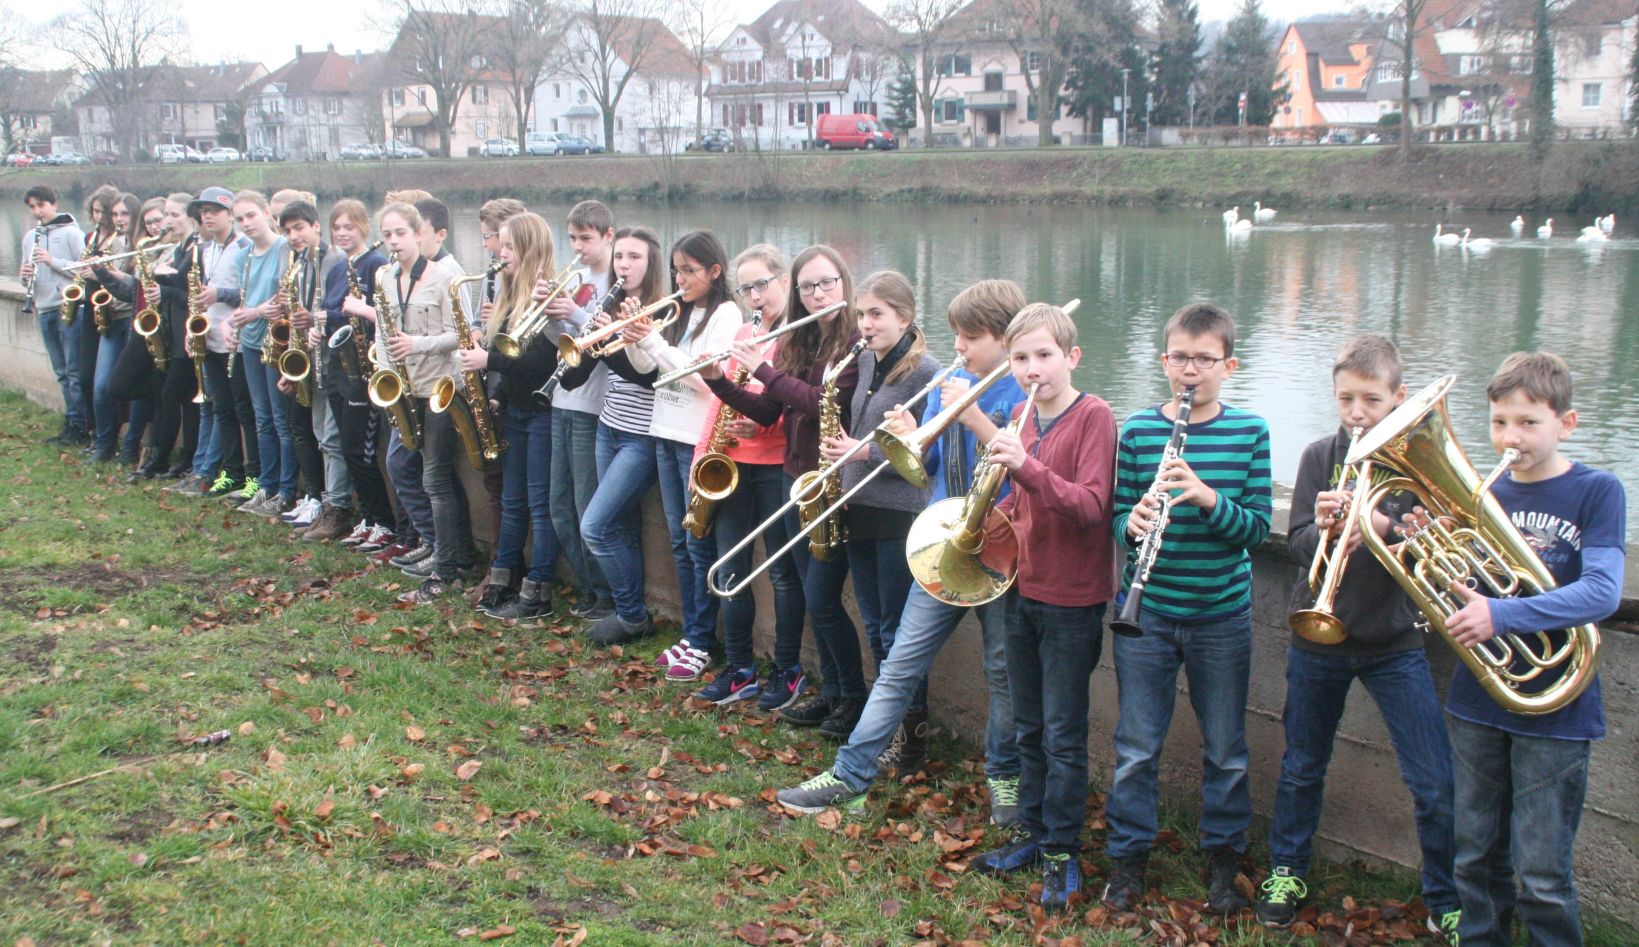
x=592 y=147
x=361 y=151
x=105 y=157
x=398 y=149
x=264 y=153
x=499 y=148
x=717 y=139
x=19 y=159
x=223 y=155
x=62 y=158
x=558 y=143
x=853 y=130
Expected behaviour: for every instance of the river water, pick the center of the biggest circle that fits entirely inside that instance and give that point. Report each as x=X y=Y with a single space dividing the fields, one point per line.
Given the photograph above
x=1299 y=287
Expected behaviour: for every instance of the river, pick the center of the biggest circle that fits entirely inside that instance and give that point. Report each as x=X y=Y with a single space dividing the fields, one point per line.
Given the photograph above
x=1299 y=287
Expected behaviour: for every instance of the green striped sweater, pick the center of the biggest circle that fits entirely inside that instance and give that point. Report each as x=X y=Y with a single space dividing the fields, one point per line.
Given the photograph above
x=1204 y=569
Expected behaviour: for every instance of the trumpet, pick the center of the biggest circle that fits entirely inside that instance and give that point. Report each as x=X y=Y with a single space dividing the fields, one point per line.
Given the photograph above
x=543 y=394
x=809 y=493
x=1319 y=623
x=716 y=357
x=601 y=343
x=962 y=550
x=512 y=344
x=1149 y=548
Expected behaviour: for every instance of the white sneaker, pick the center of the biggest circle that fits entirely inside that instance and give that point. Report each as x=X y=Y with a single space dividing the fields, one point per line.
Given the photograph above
x=256 y=500
x=297 y=510
x=378 y=538
x=306 y=512
x=360 y=533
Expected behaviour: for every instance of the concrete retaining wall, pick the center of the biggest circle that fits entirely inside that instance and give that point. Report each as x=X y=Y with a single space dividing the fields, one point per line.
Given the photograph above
x=1368 y=812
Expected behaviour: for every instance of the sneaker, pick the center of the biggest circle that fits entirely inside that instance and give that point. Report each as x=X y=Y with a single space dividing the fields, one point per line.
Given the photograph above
x=810 y=713
x=252 y=502
x=892 y=753
x=252 y=486
x=379 y=538
x=785 y=685
x=842 y=719
x=592 y=610
x=1282 y=892
x=497 y=591
x=915 y=751
x=664 y=659
x=188 y=485
x=819 y=794
x=612 y=629
x=330 y=525
x=429 y=591
x=289 y=516
x=1004 y=801
x=1125 y=885
x=419 y=553
x=177 y=472
x=1016 y=855
x=421 y=569
x=729 y=687
x=1446 y=927
x=224 y=486
x=532 y=600
x=1060 y=881
x=276 y=506
x=303 y=514
x=690 y=665
x=386 y=554
x=61 y=437
x=360 y=533
x=1223 y=864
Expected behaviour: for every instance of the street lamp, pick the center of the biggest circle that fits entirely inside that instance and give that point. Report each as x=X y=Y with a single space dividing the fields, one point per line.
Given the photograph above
x=1124 y=72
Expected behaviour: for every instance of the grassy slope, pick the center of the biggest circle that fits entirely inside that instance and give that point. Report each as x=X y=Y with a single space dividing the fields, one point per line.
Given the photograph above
x=338 y=813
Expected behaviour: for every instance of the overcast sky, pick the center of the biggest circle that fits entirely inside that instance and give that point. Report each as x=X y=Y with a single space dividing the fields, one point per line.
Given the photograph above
x=269 y=33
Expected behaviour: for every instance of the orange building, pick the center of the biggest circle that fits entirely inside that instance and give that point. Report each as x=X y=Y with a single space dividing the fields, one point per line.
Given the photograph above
x=1324 y=65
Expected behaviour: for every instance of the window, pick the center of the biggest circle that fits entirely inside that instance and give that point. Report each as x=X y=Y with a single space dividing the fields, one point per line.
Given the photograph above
x=554 y=124
x=297 y=107
x=398 y=98
x=481 y=129
x=993 y=82
x=822 y=108
x=948 y=111
x=580 y=96
x=1296 y=80
x=216 y=112
x=421 y=96
x=1338 y=82
x=480 y=96
x=1032 y=61
x=1590 y=95
x=956 y=64
x=862 y=107
x=759 y=114
x=620 y=124
x=167 y=110
x=332 y=105
x=557 y=90
x=1291 y=47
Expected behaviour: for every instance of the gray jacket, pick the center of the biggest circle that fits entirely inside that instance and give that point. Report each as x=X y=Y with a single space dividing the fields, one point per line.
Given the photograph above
x=65 y=242
x=888 y=491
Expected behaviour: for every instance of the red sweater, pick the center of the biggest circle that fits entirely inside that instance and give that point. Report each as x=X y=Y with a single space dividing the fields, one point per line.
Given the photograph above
x=1061 y=506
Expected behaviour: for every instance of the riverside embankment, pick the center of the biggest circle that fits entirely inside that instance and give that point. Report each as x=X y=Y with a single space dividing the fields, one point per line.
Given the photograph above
x=1579 y=177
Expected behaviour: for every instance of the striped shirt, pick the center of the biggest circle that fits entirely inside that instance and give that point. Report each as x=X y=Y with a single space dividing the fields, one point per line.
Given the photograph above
x=1204 y=570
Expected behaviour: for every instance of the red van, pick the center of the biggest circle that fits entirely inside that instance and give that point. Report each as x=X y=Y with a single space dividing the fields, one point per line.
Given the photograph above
x=853 y=130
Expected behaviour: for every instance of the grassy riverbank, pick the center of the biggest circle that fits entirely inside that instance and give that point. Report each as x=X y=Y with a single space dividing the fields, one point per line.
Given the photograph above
x=1579 y=177
x=415 y=776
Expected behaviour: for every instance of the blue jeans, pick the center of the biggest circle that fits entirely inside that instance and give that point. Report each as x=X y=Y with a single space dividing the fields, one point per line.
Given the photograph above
x=526 y=482
x=574 y=482
x=613 y=526
x=761 y=492
x=1217 y=660
x=694 y=556
x=62 y=348
x=452 y=523
x=1519 y=803
x=213 y=430
x=1317 y=686
x=274 y=444
x=1051 y=653
x=105 y=406
x=882 y=579
x=404 y=467
x=925 y=626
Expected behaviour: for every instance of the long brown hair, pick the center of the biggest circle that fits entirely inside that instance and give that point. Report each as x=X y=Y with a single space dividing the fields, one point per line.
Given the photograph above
x=650 y=289
x=895 y=291
x=532 y=246
x=703 y=247
x=816 y=342
x=105 y=198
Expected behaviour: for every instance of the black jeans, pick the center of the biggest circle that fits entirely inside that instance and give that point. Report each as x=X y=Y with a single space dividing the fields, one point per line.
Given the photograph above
x=360 y=425
x=309 y=462
x=174 y=410
x=452 y=522
x=86 y=355
x=235 y=422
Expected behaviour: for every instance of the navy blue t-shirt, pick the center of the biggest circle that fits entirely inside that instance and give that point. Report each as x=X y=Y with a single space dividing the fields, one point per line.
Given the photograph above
x=1576 y=523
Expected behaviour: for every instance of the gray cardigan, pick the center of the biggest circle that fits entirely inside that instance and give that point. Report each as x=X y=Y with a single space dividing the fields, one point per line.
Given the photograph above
x=888 y=491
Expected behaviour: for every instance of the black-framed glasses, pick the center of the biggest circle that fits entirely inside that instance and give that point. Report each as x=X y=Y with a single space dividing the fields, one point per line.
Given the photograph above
x=1203 y=362
x=822 y=285
x=755 y=286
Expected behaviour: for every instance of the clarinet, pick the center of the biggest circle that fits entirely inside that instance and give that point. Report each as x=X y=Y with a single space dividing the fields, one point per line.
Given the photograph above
x=1149 y=547
x=28 y=281
x=543 y=394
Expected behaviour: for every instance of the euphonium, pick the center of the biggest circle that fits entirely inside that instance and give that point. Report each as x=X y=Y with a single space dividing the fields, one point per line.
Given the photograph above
x=469 y=404
x=824 y=542
x=1469 y=539
x=296 y=364
x=962 y=550
x=513 y=342
x=1319 y=623
x=389 y=387
x=147 y=322
x=714 y=476
x=602 y=342
x=197 y=326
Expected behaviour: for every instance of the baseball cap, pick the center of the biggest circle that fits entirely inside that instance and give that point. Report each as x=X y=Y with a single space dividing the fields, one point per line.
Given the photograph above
x=211 y=197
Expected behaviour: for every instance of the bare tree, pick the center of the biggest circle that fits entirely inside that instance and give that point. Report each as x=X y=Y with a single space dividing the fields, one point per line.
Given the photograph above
x=702 y=25
x=1040 y=33
x=874 y=67
x=1399 y=28
x=614 y=40
x=441 y=47
x=372 y=86
x=118 y=45
x=524 y=42
x=933 y=32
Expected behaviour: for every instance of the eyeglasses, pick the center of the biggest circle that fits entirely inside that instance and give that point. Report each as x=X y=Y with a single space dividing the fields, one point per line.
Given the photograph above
x=688 y=270
x=755 y=286
x=488 y=234
x=1203 y=362
x=822 y=286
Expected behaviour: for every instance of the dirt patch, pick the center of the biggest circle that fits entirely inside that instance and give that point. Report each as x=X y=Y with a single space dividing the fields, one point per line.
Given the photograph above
x=32 y=653
x=567 y=910
x=138 y=827
x=21 y=589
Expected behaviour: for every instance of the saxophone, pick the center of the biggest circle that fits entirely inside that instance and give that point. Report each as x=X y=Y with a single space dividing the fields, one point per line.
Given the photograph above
x=296 y=365
x=469 y=404
x=277 y=338
x=715 y=475
x=356 y=356
x=824 y=542
x=100 y=301
x=198 y=326
x=389 y=387
x=148 y=323
x=74 y=292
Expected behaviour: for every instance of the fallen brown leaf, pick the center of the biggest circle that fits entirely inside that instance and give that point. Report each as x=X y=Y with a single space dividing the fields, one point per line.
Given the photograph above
x=497 y=932
x=467 y=770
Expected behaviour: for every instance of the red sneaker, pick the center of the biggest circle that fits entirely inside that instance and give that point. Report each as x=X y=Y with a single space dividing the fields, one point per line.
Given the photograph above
x=391 y=552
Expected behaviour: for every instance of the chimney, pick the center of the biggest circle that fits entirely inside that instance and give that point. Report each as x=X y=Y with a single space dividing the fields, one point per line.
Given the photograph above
x=329 y=47
x=358 y=57
x=298 y=50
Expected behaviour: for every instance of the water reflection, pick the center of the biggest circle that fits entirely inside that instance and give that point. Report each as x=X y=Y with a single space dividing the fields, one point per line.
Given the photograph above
x=1298 y=287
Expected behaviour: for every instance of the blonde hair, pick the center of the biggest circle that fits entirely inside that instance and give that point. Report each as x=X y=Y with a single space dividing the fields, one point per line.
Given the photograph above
x=500 y=210
x=987 y=307
x=290 y=195
x=353 y=210
x=408 y=195
x=771 y=259
x=895 y=290
x=253 y=197
x=1043 y=316
x=407 y=212
x=532 y=241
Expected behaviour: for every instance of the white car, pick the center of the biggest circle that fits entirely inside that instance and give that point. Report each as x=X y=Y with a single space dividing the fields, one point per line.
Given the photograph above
x=499 y=148
x=222 y=155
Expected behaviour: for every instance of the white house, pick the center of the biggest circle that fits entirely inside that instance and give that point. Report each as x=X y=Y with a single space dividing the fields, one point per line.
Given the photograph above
x=312 y=106
x=656 y=109
x=1593 y=88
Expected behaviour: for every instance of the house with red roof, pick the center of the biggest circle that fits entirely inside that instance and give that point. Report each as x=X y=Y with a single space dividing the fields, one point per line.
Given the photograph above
x=655 y=111
x=311 y=107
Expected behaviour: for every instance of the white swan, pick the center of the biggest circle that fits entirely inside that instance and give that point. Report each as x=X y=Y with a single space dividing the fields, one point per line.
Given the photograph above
x=1231 y=215
x=1262 y=214
x=1607 y=223
x=1517 y=225
x=1240 y=226
x=1592 y=235
x=1547 y=229
x=1478 y=244
x=1445 y=239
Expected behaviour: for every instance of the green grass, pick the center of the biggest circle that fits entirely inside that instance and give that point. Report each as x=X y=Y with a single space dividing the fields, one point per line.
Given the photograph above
x=339 y=811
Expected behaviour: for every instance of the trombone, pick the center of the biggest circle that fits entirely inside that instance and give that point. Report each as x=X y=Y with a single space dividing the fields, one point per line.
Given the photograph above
x=766 y=337
x=601 y=343
x=810 y=488
x=512 y=343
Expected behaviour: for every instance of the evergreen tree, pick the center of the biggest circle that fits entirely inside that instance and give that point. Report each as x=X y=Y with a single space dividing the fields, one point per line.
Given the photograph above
x=902 y=103
x=1244 y=61
x=1177 y=59
x=1096 y=61
x=1542 y=83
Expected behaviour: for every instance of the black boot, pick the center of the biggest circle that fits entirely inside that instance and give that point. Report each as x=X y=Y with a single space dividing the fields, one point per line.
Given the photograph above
x=915 y=751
